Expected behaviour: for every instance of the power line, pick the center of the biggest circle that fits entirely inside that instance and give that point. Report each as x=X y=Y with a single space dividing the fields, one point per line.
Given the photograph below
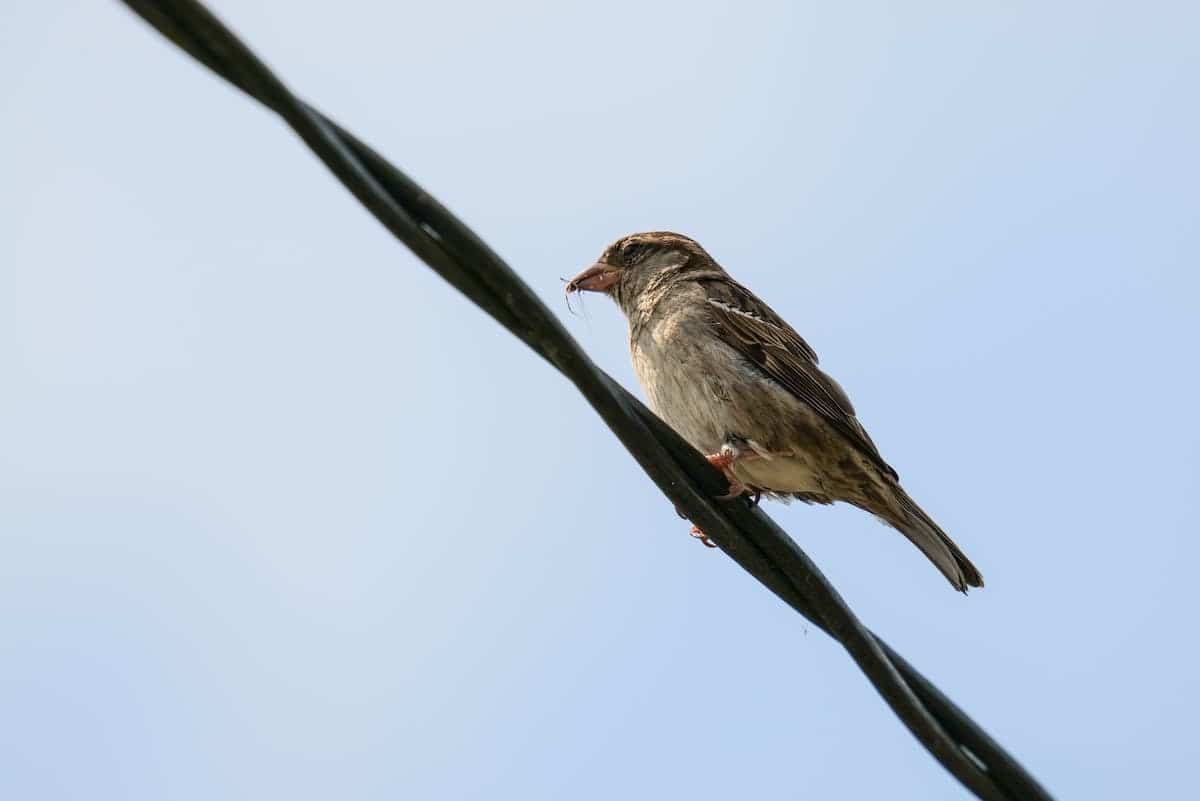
x=747 y=535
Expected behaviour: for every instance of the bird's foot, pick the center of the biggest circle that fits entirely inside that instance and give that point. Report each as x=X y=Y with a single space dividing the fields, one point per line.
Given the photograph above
x=733 y=450
x=700 y=535
x=696 y=531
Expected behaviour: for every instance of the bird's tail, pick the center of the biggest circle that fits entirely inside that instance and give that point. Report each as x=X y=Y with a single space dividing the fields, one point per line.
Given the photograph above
x=922 y=532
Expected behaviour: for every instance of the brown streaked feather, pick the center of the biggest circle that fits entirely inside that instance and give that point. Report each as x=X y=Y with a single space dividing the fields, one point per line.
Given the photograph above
x=751 y=328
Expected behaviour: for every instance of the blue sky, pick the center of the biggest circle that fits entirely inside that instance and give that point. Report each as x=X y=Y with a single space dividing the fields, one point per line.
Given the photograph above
x=282 y=515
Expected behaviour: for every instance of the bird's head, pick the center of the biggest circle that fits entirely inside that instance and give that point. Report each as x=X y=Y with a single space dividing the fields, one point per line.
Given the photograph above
x=639 y=263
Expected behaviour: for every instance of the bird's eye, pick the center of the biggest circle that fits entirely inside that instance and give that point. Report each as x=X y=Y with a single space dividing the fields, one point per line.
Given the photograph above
x=632 y=252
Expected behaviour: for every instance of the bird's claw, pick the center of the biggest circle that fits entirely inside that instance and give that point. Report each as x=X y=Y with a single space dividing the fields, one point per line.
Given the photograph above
x=722 y=460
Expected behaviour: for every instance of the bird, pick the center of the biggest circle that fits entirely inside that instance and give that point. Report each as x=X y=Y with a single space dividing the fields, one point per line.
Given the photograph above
x=738 y=383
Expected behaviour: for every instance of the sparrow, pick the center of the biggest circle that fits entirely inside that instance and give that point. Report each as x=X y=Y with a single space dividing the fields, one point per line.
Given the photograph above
x=741 y=386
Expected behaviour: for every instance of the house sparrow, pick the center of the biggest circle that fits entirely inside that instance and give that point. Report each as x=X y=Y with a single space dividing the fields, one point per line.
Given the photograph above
x=726 y=372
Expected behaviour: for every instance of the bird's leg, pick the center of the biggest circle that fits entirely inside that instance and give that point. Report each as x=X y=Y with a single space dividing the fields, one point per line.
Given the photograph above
x=722 y=462
x=734 y=449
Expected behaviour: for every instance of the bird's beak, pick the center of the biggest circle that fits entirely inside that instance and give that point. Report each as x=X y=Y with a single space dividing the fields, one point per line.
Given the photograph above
x=598 y=278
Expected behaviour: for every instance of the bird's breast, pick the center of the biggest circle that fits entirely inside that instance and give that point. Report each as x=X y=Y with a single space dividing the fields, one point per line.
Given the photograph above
x=687 y=384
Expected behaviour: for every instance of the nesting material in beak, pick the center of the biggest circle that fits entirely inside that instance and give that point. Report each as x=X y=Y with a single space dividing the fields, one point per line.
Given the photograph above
x=598 y=278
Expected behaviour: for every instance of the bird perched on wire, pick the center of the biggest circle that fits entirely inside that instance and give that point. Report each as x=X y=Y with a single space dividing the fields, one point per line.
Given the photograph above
x=739 y=384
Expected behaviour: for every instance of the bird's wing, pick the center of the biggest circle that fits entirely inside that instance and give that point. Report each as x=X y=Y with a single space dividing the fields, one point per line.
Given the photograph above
x=749 y=326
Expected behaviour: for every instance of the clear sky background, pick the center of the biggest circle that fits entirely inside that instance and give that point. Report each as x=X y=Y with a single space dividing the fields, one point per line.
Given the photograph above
x=282 y=516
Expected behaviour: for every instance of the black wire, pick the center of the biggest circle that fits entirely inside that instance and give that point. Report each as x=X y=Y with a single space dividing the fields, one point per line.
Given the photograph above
x=747 y=535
